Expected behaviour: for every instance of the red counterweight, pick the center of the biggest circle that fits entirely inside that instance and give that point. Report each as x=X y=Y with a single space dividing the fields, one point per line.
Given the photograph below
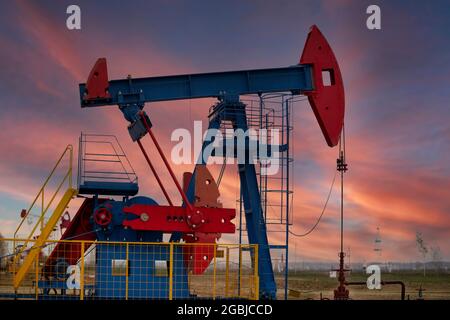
x=327 y=100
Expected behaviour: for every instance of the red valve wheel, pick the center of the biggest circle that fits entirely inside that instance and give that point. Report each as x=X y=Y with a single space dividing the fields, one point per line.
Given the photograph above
x=102 y=217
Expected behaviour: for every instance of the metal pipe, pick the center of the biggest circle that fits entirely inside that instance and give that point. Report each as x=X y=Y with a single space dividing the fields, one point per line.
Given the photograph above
x=154 y=172
x=383 y=283
x=183 y=195
x=286 y=267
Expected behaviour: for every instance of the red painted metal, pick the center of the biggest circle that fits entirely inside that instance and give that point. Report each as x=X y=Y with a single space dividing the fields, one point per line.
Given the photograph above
x=327 y=101
x=80 y=228
x=163 y=157
x=186 y=180
x=341 y=292
x=155 y=173
x=102 y=217
x=179 y=219
x=65 y=220
x=97 y=84
x=198 y=257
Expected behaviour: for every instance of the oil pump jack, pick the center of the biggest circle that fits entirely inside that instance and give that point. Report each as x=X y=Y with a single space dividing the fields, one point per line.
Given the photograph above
x=197 y=224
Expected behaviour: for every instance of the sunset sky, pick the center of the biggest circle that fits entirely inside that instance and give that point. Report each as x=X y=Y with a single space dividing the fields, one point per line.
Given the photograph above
x=397 y=83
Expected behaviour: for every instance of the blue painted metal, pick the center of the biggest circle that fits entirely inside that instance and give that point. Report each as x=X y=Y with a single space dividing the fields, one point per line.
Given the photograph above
x=256 y=227
x=279 y=246
x=143 y=280
x=249 y=150
x=115 y=230
x=135 y=92
x=109 y=188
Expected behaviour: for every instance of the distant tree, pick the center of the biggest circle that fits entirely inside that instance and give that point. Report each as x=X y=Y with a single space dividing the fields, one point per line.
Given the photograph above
x=423 y=250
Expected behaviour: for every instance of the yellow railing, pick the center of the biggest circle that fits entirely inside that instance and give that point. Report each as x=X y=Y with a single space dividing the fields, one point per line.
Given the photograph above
x=224 y=278
x=46 y=228
x=41 y=196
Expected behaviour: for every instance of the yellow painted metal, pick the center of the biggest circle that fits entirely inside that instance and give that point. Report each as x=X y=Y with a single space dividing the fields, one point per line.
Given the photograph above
x=213 y=289
x=126 y=274
x=219 y=253
x=41 y=240
x=44 y=208
x=82 y=271
x=229 y=245
x=36 y=278
x=214 y=272
x=240 y=271
x=171 y=272
x=227 y=272
x=255 y=272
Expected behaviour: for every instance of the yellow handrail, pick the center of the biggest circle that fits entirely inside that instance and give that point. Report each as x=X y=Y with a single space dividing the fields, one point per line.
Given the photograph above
x=171 y=271
x=225 y=244
x=45 y=233
x=67 y=177
x=256 y=274
x=214 y=272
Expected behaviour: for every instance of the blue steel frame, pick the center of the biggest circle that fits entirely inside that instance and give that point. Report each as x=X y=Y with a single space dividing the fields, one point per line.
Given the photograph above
x=295 y=79
x=234 y=111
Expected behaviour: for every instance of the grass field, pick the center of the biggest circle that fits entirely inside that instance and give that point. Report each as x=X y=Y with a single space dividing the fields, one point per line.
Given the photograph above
x=310 y=284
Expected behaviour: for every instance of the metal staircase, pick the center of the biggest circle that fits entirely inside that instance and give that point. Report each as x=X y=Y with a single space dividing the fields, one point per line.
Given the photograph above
x=45 y=223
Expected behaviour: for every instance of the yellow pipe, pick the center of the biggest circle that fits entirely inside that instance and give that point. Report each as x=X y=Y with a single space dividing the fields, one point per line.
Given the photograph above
x=231 y=246
x=42 y=210
x=171 y=272
x=126 y=275
x=214 y=272
x=70 y=166
x=227 y=271
x=37 y=278
x=240 y=271
x=82 y=272
x=256 y=276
